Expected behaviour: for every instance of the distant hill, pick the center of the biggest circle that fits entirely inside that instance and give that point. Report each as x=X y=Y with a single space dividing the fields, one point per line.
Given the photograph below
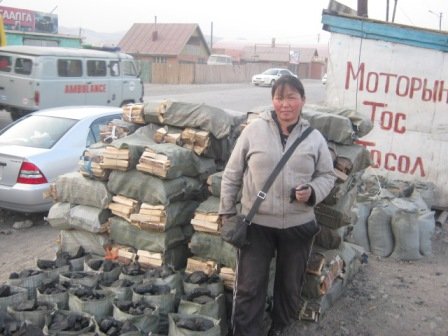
x=94 y=38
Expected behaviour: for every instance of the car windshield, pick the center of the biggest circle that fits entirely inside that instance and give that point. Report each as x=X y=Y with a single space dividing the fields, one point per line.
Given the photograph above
x=36 y=131
x=270 y=72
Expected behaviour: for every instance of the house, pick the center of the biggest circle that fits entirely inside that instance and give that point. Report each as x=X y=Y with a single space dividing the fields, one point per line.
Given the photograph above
x=307 y=61
x=311 y=64
x=172 y=43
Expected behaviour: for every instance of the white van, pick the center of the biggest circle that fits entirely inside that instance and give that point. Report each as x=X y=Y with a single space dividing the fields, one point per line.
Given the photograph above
x=33 y=78
x=216 y=59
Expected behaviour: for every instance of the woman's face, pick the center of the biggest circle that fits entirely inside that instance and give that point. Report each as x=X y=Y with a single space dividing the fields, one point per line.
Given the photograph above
x=287 y=104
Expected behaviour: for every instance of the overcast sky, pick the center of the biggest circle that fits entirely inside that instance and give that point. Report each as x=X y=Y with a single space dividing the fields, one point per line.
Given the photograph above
x=285 y=20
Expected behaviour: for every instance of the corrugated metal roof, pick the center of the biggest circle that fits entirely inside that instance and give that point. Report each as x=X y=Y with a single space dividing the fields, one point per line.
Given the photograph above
x=159 y=38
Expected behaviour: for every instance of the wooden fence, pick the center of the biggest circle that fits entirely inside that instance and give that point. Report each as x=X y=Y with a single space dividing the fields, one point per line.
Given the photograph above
x=199 y=73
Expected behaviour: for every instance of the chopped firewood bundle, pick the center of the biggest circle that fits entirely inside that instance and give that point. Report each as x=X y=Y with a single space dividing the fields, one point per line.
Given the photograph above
x=228 y=277
x=196 y=140
x=206 y=222
x=151 y=259
x=114 y=129
x=134 y=113
x=195 y=264
x=154 y=163
x=116 y=158
x=90 y=165
x=124 y=207
x=164 y=136
x=150 y=217
x=123 y=254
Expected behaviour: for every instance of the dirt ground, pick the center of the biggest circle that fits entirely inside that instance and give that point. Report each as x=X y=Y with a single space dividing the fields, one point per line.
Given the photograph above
x=386 y=297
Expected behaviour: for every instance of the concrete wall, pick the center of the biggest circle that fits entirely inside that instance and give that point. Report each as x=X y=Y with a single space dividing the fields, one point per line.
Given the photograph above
x=397 y=79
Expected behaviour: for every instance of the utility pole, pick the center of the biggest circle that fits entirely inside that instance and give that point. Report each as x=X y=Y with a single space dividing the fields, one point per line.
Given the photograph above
x=440 y=18
x=211 y=36
x=395 y=10
x=387 y=10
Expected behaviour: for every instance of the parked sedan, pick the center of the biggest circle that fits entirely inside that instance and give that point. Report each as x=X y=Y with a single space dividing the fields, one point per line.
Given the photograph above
x=269 y=77
x=42 y=145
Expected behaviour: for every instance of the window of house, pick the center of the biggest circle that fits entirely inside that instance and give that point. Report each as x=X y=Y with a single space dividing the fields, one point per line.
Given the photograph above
x=160 y=59
x=69 y=68
x=5 y=63
x=96 y=68
x=23 y=66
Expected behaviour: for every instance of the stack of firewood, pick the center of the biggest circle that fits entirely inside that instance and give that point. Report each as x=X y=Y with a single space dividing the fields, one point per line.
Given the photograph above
x=164 y=136
x=227 y=275
x=149 y=259
x=195 y=139
x=134 y=113
x=195 y=264
x=115 y=129
x=154 y=163
x=116 y=158
x=206 y=222
x=90 y=164
x=150 y=217
x=124 y=207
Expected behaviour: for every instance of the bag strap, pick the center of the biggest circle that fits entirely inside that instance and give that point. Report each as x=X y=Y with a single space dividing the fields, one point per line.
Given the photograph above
x=262 y=193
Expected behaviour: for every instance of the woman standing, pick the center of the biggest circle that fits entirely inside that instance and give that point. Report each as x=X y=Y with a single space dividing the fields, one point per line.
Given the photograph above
x=284 y=225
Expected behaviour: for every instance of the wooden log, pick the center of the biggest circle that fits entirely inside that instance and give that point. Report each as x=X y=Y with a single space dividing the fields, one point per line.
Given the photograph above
x=121 y=165
x=116 y=153
x=204 y=226
x=123 y=206
x=228 y=277
x=162 y=136
x=209 y=267
x=125 y=201
x=146 y=258
x=145 y=222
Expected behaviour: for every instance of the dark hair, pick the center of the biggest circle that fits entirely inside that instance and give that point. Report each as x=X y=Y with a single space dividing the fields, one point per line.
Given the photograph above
x=292 y=81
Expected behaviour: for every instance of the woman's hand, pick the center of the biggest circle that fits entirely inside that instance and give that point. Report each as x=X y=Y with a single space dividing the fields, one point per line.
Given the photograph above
x=303 y=193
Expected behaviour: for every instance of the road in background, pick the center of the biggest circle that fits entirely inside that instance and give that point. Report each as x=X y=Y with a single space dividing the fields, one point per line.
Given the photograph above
x=240 y=96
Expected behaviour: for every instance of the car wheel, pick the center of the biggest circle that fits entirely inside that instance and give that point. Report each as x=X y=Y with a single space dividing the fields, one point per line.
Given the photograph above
x=272 y=82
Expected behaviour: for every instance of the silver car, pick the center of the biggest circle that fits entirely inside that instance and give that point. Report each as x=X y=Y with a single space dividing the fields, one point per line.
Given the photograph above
x=268 y=77
x=39 y=147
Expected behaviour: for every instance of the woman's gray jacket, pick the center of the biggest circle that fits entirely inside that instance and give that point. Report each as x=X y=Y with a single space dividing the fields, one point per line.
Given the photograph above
x=256 y=152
